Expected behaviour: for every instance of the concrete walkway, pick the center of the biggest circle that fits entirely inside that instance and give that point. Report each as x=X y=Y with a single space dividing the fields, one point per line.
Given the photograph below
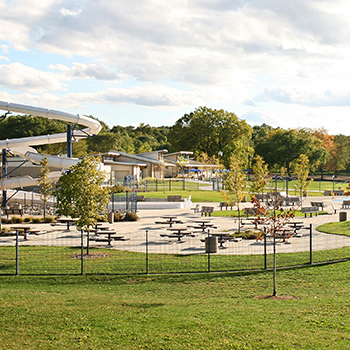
x=136 y=234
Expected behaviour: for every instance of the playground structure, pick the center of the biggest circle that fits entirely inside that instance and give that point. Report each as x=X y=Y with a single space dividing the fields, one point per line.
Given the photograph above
x=22 y=146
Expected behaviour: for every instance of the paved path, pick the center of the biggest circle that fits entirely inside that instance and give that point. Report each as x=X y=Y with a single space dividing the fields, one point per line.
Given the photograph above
x=136 y=232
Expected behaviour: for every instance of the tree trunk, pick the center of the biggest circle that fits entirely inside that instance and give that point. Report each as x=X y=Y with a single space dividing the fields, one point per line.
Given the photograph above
x=239 y=219
x=88 y=242
x=274 y=265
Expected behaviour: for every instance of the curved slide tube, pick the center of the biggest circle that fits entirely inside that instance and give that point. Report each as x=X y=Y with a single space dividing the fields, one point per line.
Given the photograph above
x=21 y=146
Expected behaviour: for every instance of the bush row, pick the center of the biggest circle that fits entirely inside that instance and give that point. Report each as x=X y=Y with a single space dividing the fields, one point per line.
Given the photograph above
x=34 y=220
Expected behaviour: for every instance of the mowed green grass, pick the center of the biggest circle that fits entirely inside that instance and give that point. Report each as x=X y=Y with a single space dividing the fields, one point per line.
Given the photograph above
x=200 y=311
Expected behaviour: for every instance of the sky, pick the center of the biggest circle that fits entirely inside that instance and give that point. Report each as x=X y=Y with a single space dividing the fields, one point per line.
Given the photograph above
x=283 y=63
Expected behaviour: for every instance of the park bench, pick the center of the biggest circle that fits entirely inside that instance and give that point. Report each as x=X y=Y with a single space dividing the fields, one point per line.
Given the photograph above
x=310 y=210
x=175 y=199
x=292 y=201
x=335 y=193
x=12 y=211
x=252 y=211
x=206 y=211
x=226 y=205
x=196 y=208
x=262 y=196
x=318 y=204
x=345 y=204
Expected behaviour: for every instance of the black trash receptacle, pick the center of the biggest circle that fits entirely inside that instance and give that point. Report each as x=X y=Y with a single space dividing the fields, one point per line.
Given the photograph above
x=342 y=216
x=211 y=244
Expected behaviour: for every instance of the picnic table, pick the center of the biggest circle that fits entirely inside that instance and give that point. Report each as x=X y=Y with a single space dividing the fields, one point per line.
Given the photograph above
x=24 y=228
x=222 y=237
x=296 y=225
x=178 y=232
x=283 y=234
x=202 y=224
x=110 y=237
x=69 y=221
x=169 y=220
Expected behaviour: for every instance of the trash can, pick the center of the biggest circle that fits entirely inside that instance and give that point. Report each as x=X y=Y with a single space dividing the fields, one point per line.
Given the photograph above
x=342 y=216
x=211 y=244
x=111 y=218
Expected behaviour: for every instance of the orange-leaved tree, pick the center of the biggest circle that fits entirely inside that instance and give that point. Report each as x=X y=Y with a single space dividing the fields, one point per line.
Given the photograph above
x=274 y=218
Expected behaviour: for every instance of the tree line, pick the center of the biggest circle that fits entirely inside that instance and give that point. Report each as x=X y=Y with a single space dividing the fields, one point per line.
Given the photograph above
x=213 y=135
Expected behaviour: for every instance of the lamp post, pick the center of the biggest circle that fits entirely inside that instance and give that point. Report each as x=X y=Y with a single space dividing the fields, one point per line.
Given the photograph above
x=333 y=177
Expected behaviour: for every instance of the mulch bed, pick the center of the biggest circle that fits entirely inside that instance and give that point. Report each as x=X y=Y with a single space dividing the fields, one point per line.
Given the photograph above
x=276 y=297
x=89 y=256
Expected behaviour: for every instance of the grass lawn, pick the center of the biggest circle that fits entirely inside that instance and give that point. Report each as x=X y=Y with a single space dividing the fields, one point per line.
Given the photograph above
x=338 y=228
x=199 y=196
x=215 y=311
x=234 y=213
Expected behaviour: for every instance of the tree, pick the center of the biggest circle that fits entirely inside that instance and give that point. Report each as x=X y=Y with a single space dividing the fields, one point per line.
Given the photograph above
x=235 y=184
x=181 y=162
x=281 y=148
x=80 y=193
x=211 y=131
x=274 y=218
x=342 y=152
x=261 y=172
x=302 y=170
x=329 y=144
x=45 y=186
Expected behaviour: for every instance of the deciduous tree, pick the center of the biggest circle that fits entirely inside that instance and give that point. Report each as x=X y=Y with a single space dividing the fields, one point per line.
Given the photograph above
x=261 y=172
x=80 y=193
x=281 y=148
x=45 y=185
x=302 y=170
x=211 y=131
x=235 y=182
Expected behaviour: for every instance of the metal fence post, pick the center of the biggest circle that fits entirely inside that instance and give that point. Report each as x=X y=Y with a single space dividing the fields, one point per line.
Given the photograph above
x=183 y=184
x=265 y=249
x=208 y=252
x=17 y=252
x=147 y=267
x=310 y=243
x=82 y=252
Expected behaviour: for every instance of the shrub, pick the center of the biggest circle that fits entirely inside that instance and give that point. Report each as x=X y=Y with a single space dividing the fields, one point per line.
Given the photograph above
x=131 y=217
x=28 y=219
x=102 y=218
x=17 y=219
x=37 y=220
x=117 y=189
x=49 y=219
x=249 y=234
x=119 y=217
x=6 y=221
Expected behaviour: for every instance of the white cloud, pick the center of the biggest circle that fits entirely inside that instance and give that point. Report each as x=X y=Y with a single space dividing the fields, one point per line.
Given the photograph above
x=256 y=56
x=87 y=71
x=17 y=76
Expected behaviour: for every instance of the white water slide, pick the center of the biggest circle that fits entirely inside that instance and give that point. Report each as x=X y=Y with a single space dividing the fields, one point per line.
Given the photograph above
x=21 y=146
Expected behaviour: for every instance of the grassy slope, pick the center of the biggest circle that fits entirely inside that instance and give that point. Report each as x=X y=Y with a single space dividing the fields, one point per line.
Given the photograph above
x=215 y=311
